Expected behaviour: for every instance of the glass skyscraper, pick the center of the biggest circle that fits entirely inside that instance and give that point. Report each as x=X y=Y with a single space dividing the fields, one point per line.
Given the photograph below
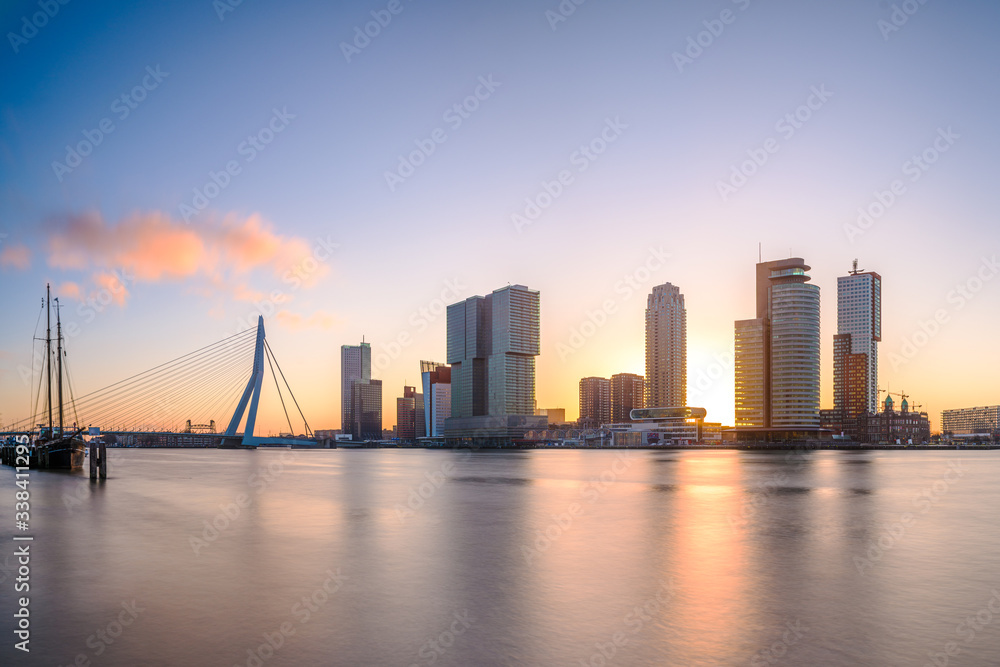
x=355 y=365
x=778 y=352
x=492 y=345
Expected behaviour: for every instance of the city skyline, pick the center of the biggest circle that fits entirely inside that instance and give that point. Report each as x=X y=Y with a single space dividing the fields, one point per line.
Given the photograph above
x=827 y=378
x=874 y=163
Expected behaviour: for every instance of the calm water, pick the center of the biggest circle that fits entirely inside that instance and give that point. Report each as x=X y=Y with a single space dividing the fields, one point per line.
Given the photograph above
x=398 y=557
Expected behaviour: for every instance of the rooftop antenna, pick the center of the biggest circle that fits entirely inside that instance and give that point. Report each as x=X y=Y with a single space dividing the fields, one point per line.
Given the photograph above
x=760 y=253
x=855 y=270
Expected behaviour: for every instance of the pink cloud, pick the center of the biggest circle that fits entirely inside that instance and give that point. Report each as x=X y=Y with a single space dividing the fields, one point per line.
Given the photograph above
x=110 y=284
x=70 y=290
x=153 y=247
x=16 y=256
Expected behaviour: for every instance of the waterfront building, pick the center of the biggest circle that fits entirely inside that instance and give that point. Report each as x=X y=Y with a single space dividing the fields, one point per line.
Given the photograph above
x=855 y=347
x=555 y=416
x=355 y=365
x=492 y=345
x=902 y=426
x=410 y=415
x=778 y=355
x=664 y=427
x=666 y=348
x=436 y=381
x=972 y=423
x=627 y=394
x=366 y=409
x=595 y=402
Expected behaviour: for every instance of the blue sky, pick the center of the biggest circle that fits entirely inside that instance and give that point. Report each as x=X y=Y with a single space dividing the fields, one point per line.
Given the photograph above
x=322 y=178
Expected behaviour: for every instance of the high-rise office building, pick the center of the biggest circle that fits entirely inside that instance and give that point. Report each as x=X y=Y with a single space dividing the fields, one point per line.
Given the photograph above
x=753 y=372
x=627 y=393
x=355 y=364
x=410 y=415
x=492 y=345
x=595 y=402
x=778 y=352
x=436 y=380
x=666 y=348
x=366 y=410
x=855 y=347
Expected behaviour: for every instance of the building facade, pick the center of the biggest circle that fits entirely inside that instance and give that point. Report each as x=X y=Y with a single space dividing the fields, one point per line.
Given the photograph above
x=753 y=373
x=355 y=365
x=980 y=421
x=595 y=402
x=410 y=415
x=627 y=393
x=778 y=352
x=666 y=348
x=855 y=347
x=492 y=344
x=436 y=381
x=366 y=410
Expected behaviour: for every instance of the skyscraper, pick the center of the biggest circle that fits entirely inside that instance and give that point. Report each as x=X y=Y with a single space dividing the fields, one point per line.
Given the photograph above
x=410 y=415
x=627 y=393
x=666 y=348
x=436 y=381
x=355 y=364
x=778 y=352
x=366 y=410
x=595 y=402
x=855 y=347
x=492 y=345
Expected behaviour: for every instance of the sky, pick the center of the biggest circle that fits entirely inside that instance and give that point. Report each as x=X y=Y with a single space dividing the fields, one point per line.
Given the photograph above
x=174 y=170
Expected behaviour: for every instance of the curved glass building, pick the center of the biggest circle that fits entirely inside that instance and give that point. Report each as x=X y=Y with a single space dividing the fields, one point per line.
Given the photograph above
x=795 y=346
x=778 y=352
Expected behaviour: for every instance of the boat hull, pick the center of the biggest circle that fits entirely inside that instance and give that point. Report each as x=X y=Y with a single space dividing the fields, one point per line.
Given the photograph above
x=62 y=454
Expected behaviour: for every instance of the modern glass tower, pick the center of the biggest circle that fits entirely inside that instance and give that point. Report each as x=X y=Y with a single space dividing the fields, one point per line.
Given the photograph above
x=855 y=347
x=355 y=364
x=492 y=345
x=666 y=348
x=778 y=352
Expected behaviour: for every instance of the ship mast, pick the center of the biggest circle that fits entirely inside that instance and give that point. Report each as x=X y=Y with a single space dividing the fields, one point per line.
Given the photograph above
x=48 y=353
x=59 y=364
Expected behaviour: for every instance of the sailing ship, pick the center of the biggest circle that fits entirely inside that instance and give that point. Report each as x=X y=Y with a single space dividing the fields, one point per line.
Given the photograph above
x=53 y=447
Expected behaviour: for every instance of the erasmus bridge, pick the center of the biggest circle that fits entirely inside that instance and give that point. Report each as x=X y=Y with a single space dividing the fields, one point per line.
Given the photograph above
x=179 y=402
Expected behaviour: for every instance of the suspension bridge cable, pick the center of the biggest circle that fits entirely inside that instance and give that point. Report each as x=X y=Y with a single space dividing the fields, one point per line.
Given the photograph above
x=220 y=381
x=230 y=406
x=308 y=430
x=167 y=363
x=225 y=398
x=162 y=390
x=141 y=382
x=99 y=400
x=291 y=429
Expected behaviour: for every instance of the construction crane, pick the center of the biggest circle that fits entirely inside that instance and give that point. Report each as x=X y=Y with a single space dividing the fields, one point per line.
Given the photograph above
x=903 y=398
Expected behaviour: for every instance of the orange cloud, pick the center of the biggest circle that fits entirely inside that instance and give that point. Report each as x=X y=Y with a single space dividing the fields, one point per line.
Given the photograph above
x=16 y=255
x=110 y=284
x=152 y=247
x=70 y=290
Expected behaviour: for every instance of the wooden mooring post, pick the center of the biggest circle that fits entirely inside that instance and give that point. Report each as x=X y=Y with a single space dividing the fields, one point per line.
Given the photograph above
x=98 y=460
